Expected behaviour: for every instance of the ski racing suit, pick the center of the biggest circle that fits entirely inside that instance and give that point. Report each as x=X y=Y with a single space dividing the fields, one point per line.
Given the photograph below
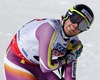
x=34 y=50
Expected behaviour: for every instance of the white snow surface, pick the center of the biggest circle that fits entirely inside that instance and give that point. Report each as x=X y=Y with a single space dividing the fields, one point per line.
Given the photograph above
x=15 y=13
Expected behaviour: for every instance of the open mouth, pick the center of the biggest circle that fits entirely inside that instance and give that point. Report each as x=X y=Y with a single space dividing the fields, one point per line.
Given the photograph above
x=71 y=29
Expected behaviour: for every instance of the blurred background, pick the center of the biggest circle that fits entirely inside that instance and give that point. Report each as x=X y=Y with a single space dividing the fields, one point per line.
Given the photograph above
x=15 y=13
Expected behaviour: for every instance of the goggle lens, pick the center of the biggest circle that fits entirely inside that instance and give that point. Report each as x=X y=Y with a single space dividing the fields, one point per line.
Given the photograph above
x=81 y=21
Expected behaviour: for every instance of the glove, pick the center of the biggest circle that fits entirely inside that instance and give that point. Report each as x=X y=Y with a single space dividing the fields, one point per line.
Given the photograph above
x=73 y=52
x=74 y=49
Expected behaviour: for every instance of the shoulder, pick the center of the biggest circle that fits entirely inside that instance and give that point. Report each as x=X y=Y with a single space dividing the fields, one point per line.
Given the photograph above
x=55 y=22
x=75 y=38
x=47 y=23
x=45 y=29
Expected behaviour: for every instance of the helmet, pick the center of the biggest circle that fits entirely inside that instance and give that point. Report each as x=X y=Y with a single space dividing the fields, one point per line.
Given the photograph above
x=83 y=10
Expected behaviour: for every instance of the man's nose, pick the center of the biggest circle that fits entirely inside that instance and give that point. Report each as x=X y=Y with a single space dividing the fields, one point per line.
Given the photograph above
x=75 y=25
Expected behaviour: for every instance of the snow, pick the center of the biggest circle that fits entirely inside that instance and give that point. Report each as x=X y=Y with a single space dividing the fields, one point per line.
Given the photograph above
x=15 y=13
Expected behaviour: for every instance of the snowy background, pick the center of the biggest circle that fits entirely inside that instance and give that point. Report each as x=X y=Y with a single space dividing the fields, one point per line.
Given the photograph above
x=15 y=13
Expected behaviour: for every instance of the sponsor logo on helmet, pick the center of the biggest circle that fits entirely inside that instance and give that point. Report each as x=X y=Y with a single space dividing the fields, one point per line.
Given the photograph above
x=87 y=14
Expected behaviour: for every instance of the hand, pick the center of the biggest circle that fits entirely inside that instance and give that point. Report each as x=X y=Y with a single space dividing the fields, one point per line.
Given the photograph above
x=73 y=52
x=76 y=48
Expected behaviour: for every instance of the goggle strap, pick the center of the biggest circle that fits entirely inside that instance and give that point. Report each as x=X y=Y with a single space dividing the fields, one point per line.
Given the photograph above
x=68 y=14
x=65 y=18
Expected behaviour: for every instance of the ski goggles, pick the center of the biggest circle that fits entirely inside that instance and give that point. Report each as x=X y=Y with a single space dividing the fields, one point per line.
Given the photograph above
x=80 y=19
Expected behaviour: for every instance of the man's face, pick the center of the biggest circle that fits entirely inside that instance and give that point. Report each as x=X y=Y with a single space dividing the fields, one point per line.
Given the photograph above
x=71 y=29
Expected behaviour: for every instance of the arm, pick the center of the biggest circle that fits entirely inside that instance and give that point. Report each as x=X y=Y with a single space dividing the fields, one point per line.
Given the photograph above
x=70 y=71
x=44 y=34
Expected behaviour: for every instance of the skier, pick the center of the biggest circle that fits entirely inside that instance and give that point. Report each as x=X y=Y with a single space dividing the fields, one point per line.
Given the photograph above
x=44 y=45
